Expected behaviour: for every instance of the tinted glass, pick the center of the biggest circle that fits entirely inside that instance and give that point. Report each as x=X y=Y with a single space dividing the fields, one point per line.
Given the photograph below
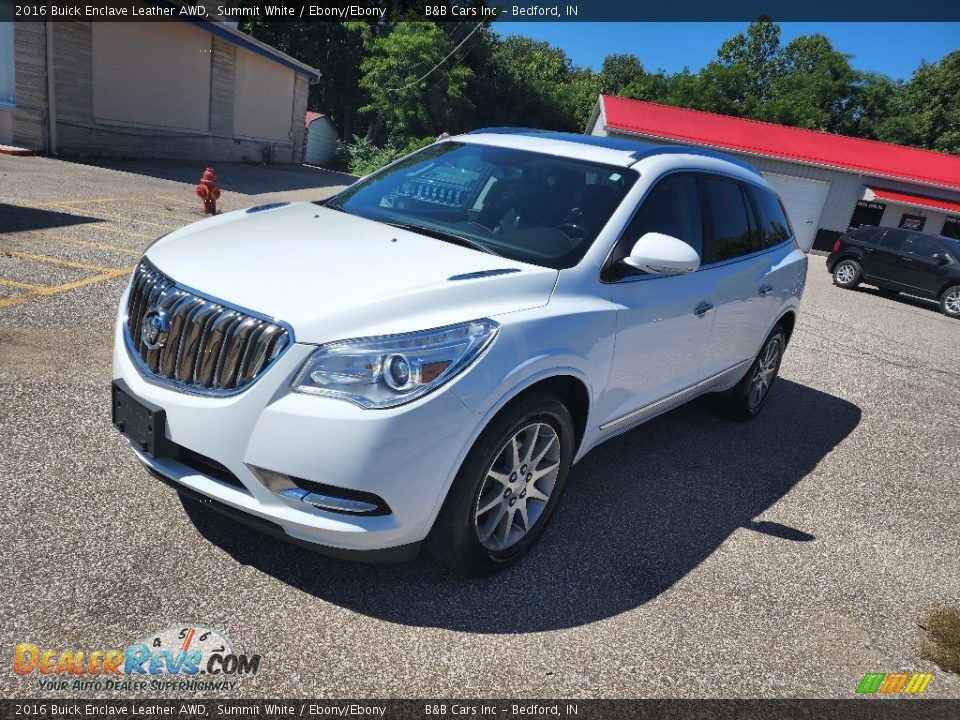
x=731 y=227
x=523 y=205
x=922 y=246
x=672 y=207
x=951 y=228
x=889 y=238
x=774 y=226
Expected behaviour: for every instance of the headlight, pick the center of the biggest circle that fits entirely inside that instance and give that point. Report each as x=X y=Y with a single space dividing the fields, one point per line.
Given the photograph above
x=383 y=372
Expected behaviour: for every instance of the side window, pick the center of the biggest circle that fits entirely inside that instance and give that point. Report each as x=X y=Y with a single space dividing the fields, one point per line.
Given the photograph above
x=672 y=207
x=726 y=208
x=775 y=228
x=891 y=239
x=922 y=246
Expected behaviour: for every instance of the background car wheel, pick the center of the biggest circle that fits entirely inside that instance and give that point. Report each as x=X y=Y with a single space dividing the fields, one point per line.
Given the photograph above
x=749 y=396
x=847 y=274
x=950 y=302
x=507 y=489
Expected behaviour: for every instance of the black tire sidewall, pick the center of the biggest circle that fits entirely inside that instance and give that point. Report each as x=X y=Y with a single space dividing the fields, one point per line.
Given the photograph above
x=454 y=540
x=742 y=408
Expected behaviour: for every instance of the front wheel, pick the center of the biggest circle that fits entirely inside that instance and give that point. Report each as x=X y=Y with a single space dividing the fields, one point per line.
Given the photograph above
x=749 y=396
x=507 y=488
x=950 y=302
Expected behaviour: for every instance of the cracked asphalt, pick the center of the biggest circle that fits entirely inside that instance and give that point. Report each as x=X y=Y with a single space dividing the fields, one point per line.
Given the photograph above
x=692 y=557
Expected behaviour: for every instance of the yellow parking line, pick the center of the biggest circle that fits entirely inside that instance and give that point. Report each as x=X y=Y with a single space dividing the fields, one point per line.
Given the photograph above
x=127 y=218
x=130 y=233
x=57 y=289
x=56 y=261
x=84 y=243
x=21 y=285
x=92 y=201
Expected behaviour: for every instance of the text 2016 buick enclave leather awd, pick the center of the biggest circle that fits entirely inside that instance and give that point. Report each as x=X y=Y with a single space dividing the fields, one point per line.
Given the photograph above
x=421 y=359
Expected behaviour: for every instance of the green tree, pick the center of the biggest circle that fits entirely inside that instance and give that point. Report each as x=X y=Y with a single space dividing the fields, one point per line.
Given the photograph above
x=620 y=71
x=414 y=88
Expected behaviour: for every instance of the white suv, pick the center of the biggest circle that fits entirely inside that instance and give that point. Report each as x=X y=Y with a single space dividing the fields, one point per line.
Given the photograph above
x=421 y=358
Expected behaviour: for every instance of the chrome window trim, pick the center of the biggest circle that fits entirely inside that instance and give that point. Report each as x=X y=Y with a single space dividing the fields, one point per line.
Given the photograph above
x=171 y=383
x=607 y=264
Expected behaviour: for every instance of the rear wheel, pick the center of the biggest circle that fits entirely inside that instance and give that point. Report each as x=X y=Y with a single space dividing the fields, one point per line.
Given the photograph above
x=847 y=273
x=749 y=396
x=507 y=489
x=950 y=302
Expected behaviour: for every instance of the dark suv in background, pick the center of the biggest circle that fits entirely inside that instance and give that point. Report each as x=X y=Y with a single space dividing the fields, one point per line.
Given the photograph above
x=897 y=260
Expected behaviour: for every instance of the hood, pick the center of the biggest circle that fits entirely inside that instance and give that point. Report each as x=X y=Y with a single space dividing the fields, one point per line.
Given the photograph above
x=333 y=276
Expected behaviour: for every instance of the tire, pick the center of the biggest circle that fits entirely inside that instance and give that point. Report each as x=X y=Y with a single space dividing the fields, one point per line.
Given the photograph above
x=461 y=537
x=847 y=273
x=950 y=301
x=743 y=402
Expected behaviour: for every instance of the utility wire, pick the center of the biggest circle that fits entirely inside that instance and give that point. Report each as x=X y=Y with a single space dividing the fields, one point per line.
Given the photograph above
x=435 y=67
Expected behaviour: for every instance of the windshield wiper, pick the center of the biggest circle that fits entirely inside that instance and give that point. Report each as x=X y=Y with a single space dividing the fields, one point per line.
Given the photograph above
x=444 y=235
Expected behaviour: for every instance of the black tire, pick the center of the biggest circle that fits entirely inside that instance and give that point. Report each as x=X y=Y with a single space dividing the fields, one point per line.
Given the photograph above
x=950 y=301
x=740 y=403
x=847 y=273
x=455 y=538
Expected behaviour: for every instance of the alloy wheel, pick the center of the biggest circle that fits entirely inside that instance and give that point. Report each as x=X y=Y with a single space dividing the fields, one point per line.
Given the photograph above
x=764 y=374
x=517 y=487
x=951 y=302
x=846 y=273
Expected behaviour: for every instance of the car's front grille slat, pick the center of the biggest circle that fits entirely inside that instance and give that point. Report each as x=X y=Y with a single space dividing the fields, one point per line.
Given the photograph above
x=204 y=346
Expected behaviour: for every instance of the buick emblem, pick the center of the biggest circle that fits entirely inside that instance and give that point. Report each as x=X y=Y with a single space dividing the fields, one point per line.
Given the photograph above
x=155 y=328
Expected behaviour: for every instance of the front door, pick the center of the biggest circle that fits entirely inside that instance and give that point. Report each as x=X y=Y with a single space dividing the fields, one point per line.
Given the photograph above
x=663 y=321
x=885 y=257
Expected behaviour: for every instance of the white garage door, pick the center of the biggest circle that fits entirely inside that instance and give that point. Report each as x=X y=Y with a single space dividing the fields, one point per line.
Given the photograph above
x=804 y=200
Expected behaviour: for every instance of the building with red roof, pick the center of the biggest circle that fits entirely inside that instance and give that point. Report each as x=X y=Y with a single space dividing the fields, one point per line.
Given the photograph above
x=829 y=183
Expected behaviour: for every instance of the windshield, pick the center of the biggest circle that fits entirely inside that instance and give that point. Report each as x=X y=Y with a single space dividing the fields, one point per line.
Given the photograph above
x=522 y=205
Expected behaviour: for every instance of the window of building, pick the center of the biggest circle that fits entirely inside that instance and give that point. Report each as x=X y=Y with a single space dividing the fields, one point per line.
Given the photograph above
x=8 y=85
x=951 y=228
x=729 y=213
x=867 y=213
x=912 y=222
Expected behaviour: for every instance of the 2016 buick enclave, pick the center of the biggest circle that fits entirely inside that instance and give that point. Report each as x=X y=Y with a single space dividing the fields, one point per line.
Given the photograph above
x=421 y=358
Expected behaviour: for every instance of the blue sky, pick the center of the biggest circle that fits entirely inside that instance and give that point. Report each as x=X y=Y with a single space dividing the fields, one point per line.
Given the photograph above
x=894 y=49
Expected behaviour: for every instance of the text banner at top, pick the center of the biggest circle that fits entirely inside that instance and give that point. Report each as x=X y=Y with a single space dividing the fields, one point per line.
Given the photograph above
x=481 y=11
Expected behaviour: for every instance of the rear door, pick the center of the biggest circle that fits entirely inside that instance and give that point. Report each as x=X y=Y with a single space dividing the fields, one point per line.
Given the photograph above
x=742 y=273
x=886 y=259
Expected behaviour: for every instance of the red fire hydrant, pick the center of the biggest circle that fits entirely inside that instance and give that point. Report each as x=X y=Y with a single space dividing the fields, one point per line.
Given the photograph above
x=209 y=191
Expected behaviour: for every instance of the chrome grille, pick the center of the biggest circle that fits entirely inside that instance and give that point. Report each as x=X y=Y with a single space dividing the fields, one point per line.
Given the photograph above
x=209 y=348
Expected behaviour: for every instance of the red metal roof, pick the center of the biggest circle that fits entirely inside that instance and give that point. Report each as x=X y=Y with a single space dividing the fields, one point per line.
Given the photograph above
x=789 y=143
x=311 y=116
x=935 y=203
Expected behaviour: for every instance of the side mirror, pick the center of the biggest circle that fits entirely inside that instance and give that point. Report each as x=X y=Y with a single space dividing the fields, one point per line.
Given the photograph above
x=659 y=253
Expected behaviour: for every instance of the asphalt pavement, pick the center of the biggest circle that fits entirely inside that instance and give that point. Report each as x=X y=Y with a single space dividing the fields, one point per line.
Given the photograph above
x=692 y=557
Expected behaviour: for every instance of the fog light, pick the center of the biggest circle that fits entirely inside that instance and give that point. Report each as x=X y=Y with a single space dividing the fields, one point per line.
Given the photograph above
x=320 y=495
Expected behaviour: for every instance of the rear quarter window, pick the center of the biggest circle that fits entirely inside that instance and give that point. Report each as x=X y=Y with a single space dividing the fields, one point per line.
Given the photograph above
x=774 y=225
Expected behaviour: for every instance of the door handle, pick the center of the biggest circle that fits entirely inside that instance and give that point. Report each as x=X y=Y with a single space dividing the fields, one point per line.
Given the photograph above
x=765 y=289
x=703 y=308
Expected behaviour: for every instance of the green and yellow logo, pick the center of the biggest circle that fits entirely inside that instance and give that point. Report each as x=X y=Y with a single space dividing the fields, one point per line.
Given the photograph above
x=894 y=683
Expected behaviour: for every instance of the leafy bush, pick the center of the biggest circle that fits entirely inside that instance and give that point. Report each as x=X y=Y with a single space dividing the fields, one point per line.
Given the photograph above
x=362 y=157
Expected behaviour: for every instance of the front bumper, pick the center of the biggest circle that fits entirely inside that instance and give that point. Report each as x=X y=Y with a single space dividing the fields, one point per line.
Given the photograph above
x=408 y=456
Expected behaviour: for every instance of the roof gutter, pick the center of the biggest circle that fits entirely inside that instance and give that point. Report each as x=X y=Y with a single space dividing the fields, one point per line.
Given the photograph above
x=809 y=163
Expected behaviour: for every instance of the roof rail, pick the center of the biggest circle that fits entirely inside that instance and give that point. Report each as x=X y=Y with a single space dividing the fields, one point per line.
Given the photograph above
x=689 y=150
